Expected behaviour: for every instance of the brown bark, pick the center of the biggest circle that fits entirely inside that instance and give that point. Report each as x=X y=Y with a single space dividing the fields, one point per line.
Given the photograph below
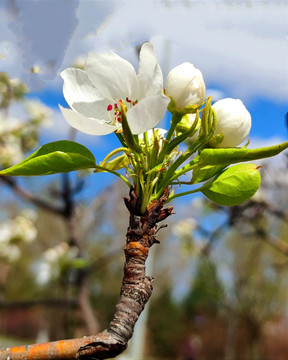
x=135 y=292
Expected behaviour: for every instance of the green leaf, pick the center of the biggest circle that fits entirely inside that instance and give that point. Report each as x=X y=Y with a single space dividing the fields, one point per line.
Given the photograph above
x=55 y=157
x=234 y=185
x=115 y=164
x=203 y=173
x=226 y=156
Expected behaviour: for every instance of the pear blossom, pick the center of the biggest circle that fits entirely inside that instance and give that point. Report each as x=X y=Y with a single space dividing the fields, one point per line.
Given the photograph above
x=186 y=87
x=234 y=120
x=185 y=227
x=109 y=85
x=53 y=260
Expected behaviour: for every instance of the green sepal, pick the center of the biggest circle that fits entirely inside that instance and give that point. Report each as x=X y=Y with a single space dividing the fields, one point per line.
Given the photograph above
x=55 y=157
x=127 y=134
x=185 y=124
x=171 y=106
x=234 y=185
x=216 y=139
x=191 y=109
x=206 y=119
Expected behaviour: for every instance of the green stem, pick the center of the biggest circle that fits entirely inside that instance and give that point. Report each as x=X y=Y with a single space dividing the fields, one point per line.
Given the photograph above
x=102 y=168
x=187 y=192
x=112 y=153
x=146 y=194
x=176 y=118
x=166 y=181
x=121 y=139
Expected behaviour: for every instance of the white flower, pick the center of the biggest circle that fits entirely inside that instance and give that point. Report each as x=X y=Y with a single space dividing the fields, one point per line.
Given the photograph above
x=186 y=87
x=53 y=260
x=10 y=151
x=234 y=120
x=10 y=252
x=185 y=227
x=38 y=111
x=96 y=94
x=24 y=229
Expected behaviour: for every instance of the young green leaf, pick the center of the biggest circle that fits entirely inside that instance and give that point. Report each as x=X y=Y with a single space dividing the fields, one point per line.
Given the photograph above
x=234 y=185
x=55 y=157
x=226 y=156
x=203 y=173
x=115 y=164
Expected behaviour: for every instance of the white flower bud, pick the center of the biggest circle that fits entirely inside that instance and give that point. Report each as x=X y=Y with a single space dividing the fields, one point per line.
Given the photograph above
x=234 y=120
x=186 y=87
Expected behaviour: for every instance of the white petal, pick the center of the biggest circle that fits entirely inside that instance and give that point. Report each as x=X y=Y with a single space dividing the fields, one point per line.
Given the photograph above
x=113 y=76
x=149 y=74
x=77 y=87
x=147 y=113
x=96 y=109
x=86 y=125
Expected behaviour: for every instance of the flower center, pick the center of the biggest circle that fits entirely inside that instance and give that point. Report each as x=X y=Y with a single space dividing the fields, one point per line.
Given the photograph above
x=116 y=111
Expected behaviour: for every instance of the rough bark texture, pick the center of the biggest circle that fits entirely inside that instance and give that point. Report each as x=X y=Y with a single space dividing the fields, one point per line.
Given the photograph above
x=135 y=292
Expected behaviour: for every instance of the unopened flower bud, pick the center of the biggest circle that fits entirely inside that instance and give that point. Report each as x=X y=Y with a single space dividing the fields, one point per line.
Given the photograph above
x=186 y=87
x=234 y=120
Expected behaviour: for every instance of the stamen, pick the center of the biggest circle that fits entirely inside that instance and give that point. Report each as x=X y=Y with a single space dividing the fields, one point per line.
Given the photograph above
x=117 y=108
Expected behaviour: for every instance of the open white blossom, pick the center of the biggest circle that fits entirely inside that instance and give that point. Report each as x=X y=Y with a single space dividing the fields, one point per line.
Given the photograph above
x=234 y=120
x=108 y=84
x=15 y=231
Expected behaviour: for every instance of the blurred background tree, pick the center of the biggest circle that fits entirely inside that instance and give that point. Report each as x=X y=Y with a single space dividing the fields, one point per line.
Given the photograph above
x=220 y=272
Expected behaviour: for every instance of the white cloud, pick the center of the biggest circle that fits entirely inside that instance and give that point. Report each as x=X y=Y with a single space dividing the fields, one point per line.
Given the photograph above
x=239 y=46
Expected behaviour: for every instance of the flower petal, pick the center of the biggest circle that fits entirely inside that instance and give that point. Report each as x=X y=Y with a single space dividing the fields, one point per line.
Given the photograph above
x=113 y=76
x=77 y=87
x=147 y=113
x=86 y=125
x=149 y=74
x=95 y=110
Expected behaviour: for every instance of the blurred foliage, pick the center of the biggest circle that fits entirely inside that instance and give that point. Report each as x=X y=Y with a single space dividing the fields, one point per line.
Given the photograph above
x=220 y=289
x=206 y=291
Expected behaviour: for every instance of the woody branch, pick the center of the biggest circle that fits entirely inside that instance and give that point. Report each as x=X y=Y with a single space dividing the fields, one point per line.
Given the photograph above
x=135 y=292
